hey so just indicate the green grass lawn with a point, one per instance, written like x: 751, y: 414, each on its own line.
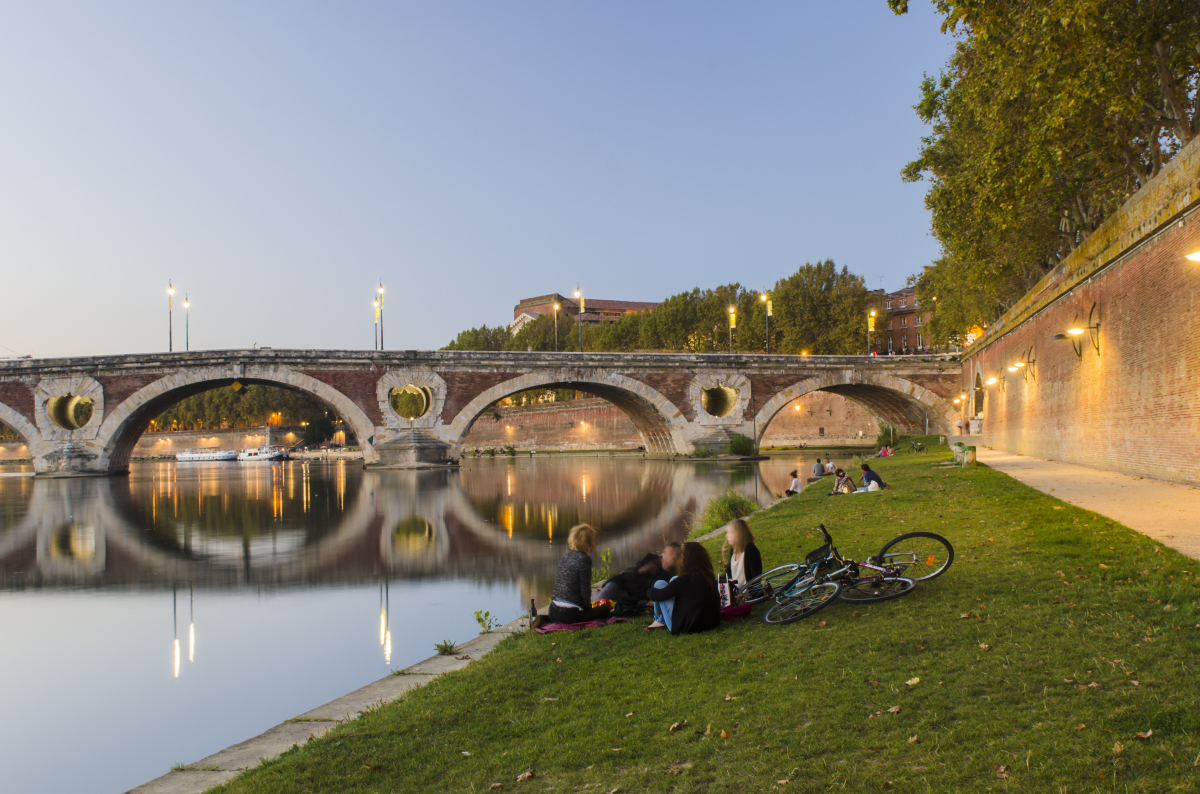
x: 1056, y: 637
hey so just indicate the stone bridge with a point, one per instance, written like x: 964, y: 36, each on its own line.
x: 676, y: 401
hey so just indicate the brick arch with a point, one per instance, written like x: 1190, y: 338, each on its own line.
x: 894, y: 399
x: 126, y: 423
x: 24, y: 428
x: 660, y: 423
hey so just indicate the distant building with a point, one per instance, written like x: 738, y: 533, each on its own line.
x: 595, y: 310
x: 904, y: 330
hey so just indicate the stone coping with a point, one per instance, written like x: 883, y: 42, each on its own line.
x: 224, y: 765
x: 467, y: 358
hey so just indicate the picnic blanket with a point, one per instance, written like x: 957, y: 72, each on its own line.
x: 590, y: 624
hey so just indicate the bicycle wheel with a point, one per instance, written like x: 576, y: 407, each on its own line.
x: 768, y: 584
x: 879, y: 588
x: 919, y: 556
x: 815, y: 598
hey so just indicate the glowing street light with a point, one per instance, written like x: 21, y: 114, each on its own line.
x: 380, y: 313
x: 767, y: 301
x: 187, y: 323
x: 376, y: 326
x: 579, y: 295
x: 732, y: 325
x: 1194, y: 257
x: 556, y: 328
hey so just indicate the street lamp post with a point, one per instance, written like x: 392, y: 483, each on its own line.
x: 556, y: 328
x: 870, y: 328
x: 187, y: 323
x: 381, y: 347
x: 732, y: 325
x: 375, y: 327
x: 768, y: 302
x: 579, y: 295
x: 170, y: 317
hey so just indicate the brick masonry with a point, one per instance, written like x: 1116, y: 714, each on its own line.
x: 1133, y: 405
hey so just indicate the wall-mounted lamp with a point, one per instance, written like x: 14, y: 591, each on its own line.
x: 1077, y: 329
x: 1194, y: 257
x: 957, y: 401
x: 990, y: 381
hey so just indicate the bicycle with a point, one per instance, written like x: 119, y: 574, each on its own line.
x: 826, y: 575
x: 916, y: 446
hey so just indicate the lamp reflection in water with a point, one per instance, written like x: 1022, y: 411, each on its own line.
x: 175, y: 625
x: 385, y: 633
x: 191, y: 624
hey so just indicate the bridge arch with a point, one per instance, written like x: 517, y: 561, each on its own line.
x: 660, y: 423
x: 24, y: 428
x: 126, y: 422
x: 897, y: 400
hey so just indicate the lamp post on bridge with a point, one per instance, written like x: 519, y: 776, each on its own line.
x: 375, y: 327
x: 732, y: 325
x: 870, y: 328
x: 556, y: 328
x: 579, y: 295
x: 170, y: 317
x: 767, y: 300
x: 381, y: 347
x: 187, y: 323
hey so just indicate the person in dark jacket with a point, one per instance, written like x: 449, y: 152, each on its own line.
x: 741, y: 557
x: 689, y: 602
x: 636, y: 579
x: 572, y: 600
x: 870, y: 476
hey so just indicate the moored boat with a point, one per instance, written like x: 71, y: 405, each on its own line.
x: 263, y: 453
x: 205, y: 454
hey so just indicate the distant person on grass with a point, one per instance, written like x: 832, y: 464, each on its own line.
x: 689, y: 603
x: 796, y: 486
x: 818, y: 469
x: 636, y: 579
x: 742, y: 559
x: 830, y: 466
x: 572, y: 600
x: 871, y: 479
x: 844, y: 483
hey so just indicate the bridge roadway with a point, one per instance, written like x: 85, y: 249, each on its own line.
x: 676, y: 401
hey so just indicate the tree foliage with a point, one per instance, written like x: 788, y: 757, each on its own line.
x: 1047, y: 116
x: 818, y: 309
x: 252, y: 407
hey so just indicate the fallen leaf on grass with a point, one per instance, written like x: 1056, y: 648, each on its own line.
x: 1143, y: 734
x: 559, y: 660
x: 495, y: 785
x: 1102, y: 565
x: 708, y: 729
x: 1170, y: 608
x: 894, y: 710
x: 1068, y: 680
x: 863, y: 615
x: 872, y: 683
x: 725, y: 734
x: 1059, y: 573
x: 630, y: 714
x: 464, y: 752
x: 913, y: 681
x: 887, y: 785
x: 525, y: 776
x: 983, y: 646
x: 548, y: 700
x: 858, y: 727
x: 965, y: 615
x: 1080, y: 727
x: 1002, y: 771
x: 821, y: 625
x: 912, y: 739
x: 553, y: 644
x: 1136, y: 683
x: 674, y: 727
x: 1117, y: 747
x: 735, y: 661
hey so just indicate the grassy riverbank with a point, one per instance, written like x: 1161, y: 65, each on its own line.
x: 1055, y: 638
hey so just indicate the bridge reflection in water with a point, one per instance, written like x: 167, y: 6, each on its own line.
x: 231, y: 526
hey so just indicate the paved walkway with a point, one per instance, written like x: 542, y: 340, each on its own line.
x: 1168, y: 513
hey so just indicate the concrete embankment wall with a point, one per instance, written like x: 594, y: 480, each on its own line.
x: 1122, y: 397
x: 816, y: 418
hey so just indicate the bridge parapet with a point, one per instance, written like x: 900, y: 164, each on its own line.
x: 676, y: 401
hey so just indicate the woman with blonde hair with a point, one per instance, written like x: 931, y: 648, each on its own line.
x: 742, y: 559
x: 572, y: 600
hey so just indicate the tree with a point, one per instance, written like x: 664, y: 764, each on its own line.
x: 1047, y: 117
x: 318, y: 429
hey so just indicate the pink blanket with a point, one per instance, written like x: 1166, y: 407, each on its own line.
x: 591, y: 624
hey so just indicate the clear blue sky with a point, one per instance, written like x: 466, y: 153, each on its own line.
x: 276, y: 159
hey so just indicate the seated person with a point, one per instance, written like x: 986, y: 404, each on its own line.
x: 636, y: 579
x: 742, y: 559
x: 844, y: 483
x: 572, y: 600
x: 871, y: 479
x: 818, y: 469
x: 796, y: 486
x: 689, y: 603
x: 830, y: 466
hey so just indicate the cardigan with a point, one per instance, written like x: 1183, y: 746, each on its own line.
x: 752, y: 564
x: 573, y: 582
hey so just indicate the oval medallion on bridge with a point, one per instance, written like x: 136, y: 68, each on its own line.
x: 410, y: 402
x: 718, y: 400
x: 69, y: 411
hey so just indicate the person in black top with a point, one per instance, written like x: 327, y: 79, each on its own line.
x: 689, y: 602
x: 870, y: 476
x: 636, y: 579
x: 572, y: 600
x: 742, y: 560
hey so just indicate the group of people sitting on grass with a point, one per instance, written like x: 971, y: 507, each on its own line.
x: 843, y: 482
x: 680, y: 583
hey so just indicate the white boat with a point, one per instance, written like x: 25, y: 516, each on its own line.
x: 205, y: 453
x: 263, y: 453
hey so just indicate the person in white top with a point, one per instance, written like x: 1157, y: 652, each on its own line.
x: 796, y: 486
x: 830, y: 466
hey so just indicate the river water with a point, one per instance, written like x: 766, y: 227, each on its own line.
x: 156, y: 618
